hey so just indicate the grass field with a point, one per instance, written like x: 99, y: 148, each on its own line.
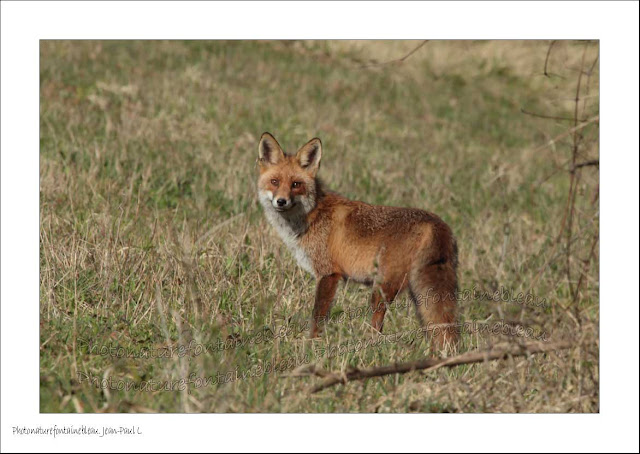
x: 151, y: 236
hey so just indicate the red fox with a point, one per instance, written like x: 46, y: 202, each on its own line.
x: 333, y: 237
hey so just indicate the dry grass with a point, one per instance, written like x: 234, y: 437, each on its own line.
x: 151, y: 235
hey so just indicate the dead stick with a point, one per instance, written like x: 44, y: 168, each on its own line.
x: 498, y: 352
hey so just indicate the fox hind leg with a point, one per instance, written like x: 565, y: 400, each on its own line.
x: 382, y: 295
x: 433, y: 291
x: 378, y: 309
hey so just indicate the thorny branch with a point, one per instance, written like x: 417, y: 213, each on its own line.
x: 566, y: 225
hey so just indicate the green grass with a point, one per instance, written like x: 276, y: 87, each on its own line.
x: 151, y: 235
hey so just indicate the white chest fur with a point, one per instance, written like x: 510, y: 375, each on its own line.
x: 290, y: 226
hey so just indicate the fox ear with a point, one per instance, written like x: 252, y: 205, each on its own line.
x: 309, y: 156
x: 269, y: 150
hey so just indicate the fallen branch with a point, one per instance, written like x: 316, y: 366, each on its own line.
x: 429, y: 364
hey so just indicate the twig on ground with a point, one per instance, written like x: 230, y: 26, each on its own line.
x: 430, y: 364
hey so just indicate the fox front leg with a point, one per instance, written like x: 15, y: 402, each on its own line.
x: 378, y: 309
x: 325, y: 291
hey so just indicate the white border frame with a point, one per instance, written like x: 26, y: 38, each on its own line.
x: 614, y: 23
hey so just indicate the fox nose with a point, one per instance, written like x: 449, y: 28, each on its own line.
x: 281, y: 202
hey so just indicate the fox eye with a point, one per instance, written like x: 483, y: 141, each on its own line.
x: 274, y: 182
x: 296, y: 184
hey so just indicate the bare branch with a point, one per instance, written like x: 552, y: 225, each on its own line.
x: 574, y: 179
x: 546, y: 60
x: 593, y: 162
x: 429, y: 364
x: 397, y: 60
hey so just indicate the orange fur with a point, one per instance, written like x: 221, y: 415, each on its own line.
x: 333, y: 237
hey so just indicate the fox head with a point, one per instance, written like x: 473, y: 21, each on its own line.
x: 287, y: 183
